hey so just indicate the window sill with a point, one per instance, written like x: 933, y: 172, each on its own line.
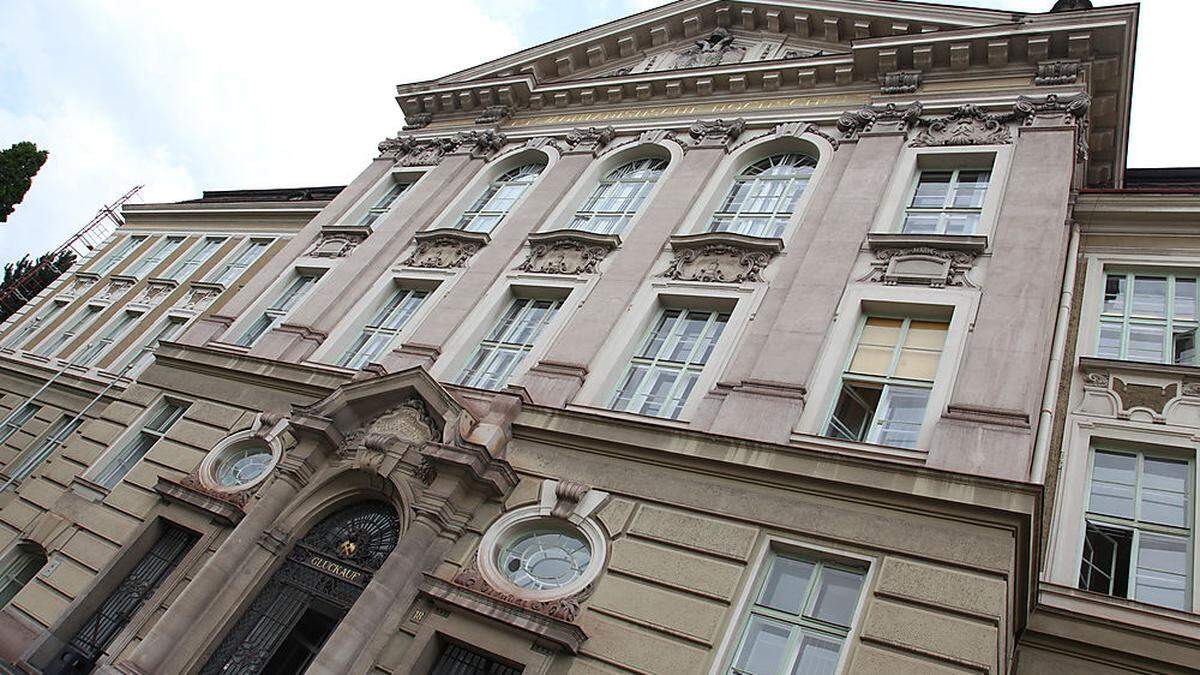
x: 1121, y: 611
x: 1119, y: 365
x: 608, y: 241
x: 768, y: 245
x: 969, y: 243
x: 162, y: 281
x: 358, y: 230
x: 480, y: 238
x: 90, y: 491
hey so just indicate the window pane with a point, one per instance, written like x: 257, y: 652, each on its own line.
x: 837, y: 596
x: 921, y: 223
x: 1164, y: 492
x: 661, y: 383
x: 1184, y: 346
x: 660, y: 333
x: 1146, y: 343
x: 763, y: 647
x: 1162, y: 570
x: 961, y: 223
x: 1185, y: 298
x: 818, y: 656
x: 689, y: 332
x: 1105, y: 564
x: 787, y: 585
x: 932, y: 188
x: 1150, y: 296
x: 972, y: 186
x: 1113, y: 479
x: 1114, y: 294
x: 900, y: 416
x: 629, y: 389
x: 854, y: 412
x: 1109, y: 346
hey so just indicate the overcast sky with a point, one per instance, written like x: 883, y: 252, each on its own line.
x: 225, y: 94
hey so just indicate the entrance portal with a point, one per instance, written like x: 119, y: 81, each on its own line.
x: 301, y: 605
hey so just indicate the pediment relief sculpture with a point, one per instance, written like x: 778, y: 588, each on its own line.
x: 335, y: 244
x: 408, y: 151
x: 717, y: 48
x: 409, y: 421
x: 968, y: 125
x: 890, y: 117
x: 566, y: 252
x: 923, y: 266
x: 720, y: 258
x: 445, y: 249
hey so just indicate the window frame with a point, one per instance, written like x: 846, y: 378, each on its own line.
x: 27, y: 326
x: 1128, y: 319
x: 645, y: 191
x: 11, y: 567
x: 1136, y: 525
x: 127, y: 362
x: 10, y: 426
x: 475, y: 208
x: 158, y: 253
x: 116, y: 455
x: 50, y: 346
x: 743, y: 175
x: 498, y: 345
x: 234, y: 260
x: 755, y: 576
x: 118, y: 254
x: 55, y: 436
x: 347, y: 355
x: 90, y: 353
x: 195, y: 257
x: 287, y: 297
x: 947, y: 202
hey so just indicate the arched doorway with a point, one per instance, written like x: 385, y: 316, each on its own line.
x: 301, y: 605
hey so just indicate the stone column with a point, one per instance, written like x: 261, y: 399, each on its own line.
x: 187, y: 623
x: 767, y: 397
x: 561, y: 372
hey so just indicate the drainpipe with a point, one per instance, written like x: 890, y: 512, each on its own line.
x: 1041, y: 444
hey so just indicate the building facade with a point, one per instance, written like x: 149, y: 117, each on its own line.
x: 729, y: 337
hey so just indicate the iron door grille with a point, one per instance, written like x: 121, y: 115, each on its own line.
x: 458, y: 660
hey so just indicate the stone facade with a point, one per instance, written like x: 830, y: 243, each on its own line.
x: 372, y: 430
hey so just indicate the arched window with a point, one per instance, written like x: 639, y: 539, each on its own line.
x: 763, y: 196
x: 18, y: 567
x: 498, y: 199
x: 618, y: 197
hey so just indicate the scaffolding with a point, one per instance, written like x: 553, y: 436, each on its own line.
x: 81, y: 244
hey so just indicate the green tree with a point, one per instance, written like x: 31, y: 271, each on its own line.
x: 18, y: 165
x: 16, y: 289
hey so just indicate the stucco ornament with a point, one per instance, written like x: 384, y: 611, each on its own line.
x: 590, y: 139
x: 115, y: 289
x: 407, y: 422
x: 900, y: 82
x: 720, y: 263
x: 154, y: 292
x: 716, y: 133
x: 201, y: 295
x: 408, y: 151
x: 80, y: 284
x: 483, y: 144
x: 1146, y: 397
x: 563, y: 609
x: 714, y: 49
x: 1058, y: 110
x: 418, y: 121
x: 969, y: 125
x: 866, y: 118
x: 797, y: 129
x: 936, y: 268
x: 1050, y: 73
x: 565, y: 256
x: 442, y: 253
x: 335, y: 244
x: 493, y: 114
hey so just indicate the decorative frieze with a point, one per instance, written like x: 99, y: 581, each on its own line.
x: 418, y: 121
x: 482, y: 144
x: 720, y: 257
x: 1053, y: 73
x: 890, y: 117
x: 923, y: 266
x: 408, y: 151
x: 494, y: 114
x: 155, y: 291
x: 900, y: 82
x: 445, y: 248
x: 716, y: 133
x: 590, y: 139
x: 200, y: 295
x: 567, y: 252
x: 968, y: 125
x: 337, y: 242
x: 563, y: 609
x: 117, y: 286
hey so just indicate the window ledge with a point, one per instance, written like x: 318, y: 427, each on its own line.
x: 93, y: 492
x: 1121, y: 611
x: 478, y: 238
x: 87, y: 275
x: 609, y: 241
x: 127, y: 278
x: 207, y: 286
x: 357, y: 230
x: 162, y: 281
x: 1119, y: 365
x: 768, y: 245
x: 970, y: 243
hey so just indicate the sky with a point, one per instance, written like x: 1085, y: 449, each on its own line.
x: 227, y: 94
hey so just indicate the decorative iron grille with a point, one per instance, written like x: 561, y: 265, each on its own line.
x: 458, y: 660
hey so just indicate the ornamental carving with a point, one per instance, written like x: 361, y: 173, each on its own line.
x: 80, y: 284
x: 720, y: 263
x: 154, y: 292
x: 442, y: 253
x: 563, y: 609
x: 335, y: 244
x: 566, y: 253
x: 192, y: 482
x: 568, y: 494
x: 590, y: 139
x: 936, y: 268
x: 900, y: 82
x: 1058, y: 110
x: 714, y: 49
x: 1148, y: 396
x: 493, y: 114
x: 1050, y: 73
x: 895, y: 118
x: 115, y: 289
x: 720, y: 47
x: 483, y: 144
x: 969, y: 125
x: 798, y: 129
x: 408, y: 421
x: 408, y: 151
x: 418, y: 121
x: 716, y: 133
x: 200, y: 296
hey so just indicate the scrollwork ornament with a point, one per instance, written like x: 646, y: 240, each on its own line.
x: 968, y: 125
x: 866, y: 118
x: 719, y: 263
x: 716, y: 133
x: 591, y: 139
x: 563, y: 609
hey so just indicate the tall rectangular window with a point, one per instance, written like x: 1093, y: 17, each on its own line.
x: 381, y: 330
x: 798, y: 619
x: 121, y: 252
x: 193, y: 259
x: 667, y: 364
x: 28, y: 328
x: 54, y: 437
x: 230, y: 271
x: 385, y: 201
x: 156, y: 426
x: 94, y: 636
x: 272, y: 315
x: 886, y: 385
x: 1149, y: 317
x: 17, y: 419
x: 1138, y: 528
x: 52, y: 344
x: 503, y: 348
x: 161, y: 251
x: 115, y: 331
x: 947, y: 202
x: 140, y: 357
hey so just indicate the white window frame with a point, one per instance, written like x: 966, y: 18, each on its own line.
x: 16, y: 419
x: 355, y: 357
x: 130, y: 362
x: 234, y: 261
x: 112, y: 332
x: 947, y: 206
x: 55, y: 435
x: 368, y: 202
x: 755, y: 573
x: 747, y: 153
x: 111, y: 460
x: 30, y: 325
x: 825, y: 382
x: 608, y: 366
x: 11, y: 567
x: 897, y: 196
x: 51, y: 345
x: 118, y: 254
x: 166, y: 246
x: 497, y: 346
x: 492, y: 170
x: 644, y: 187
x: 462, y: 344
x: 1168, y: 323
x: 270, y: 314
x: 194, y: 258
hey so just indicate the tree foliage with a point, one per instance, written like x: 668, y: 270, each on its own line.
x: 49, y: 267
x: 18, y: 165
